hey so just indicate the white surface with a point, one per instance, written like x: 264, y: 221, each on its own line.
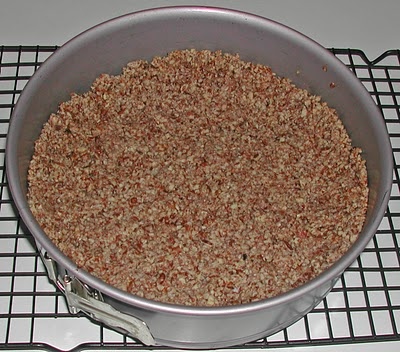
x: 372, y: 26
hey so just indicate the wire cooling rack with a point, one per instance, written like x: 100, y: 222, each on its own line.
x: 364, y: 306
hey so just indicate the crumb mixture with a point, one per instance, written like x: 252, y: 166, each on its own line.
x: 198, y: 179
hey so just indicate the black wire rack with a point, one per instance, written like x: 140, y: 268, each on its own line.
x: 364, y: 306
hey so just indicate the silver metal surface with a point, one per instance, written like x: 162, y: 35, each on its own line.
x: 82, y: 298
x: 106, y: 49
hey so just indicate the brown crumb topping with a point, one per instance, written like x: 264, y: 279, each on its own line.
x: 198, y: 179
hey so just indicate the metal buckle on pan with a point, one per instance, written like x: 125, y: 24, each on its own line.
x: 82, y: 298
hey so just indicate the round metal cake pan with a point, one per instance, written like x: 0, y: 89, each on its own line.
x: 109, y: 46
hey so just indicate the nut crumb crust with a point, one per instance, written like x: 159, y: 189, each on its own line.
x: 198, y: 179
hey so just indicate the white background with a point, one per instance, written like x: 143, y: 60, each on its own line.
x: 372, y: 26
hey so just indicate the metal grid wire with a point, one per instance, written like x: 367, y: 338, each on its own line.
x: 364, y: 306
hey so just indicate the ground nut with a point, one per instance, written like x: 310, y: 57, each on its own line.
x: 198, y: 179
